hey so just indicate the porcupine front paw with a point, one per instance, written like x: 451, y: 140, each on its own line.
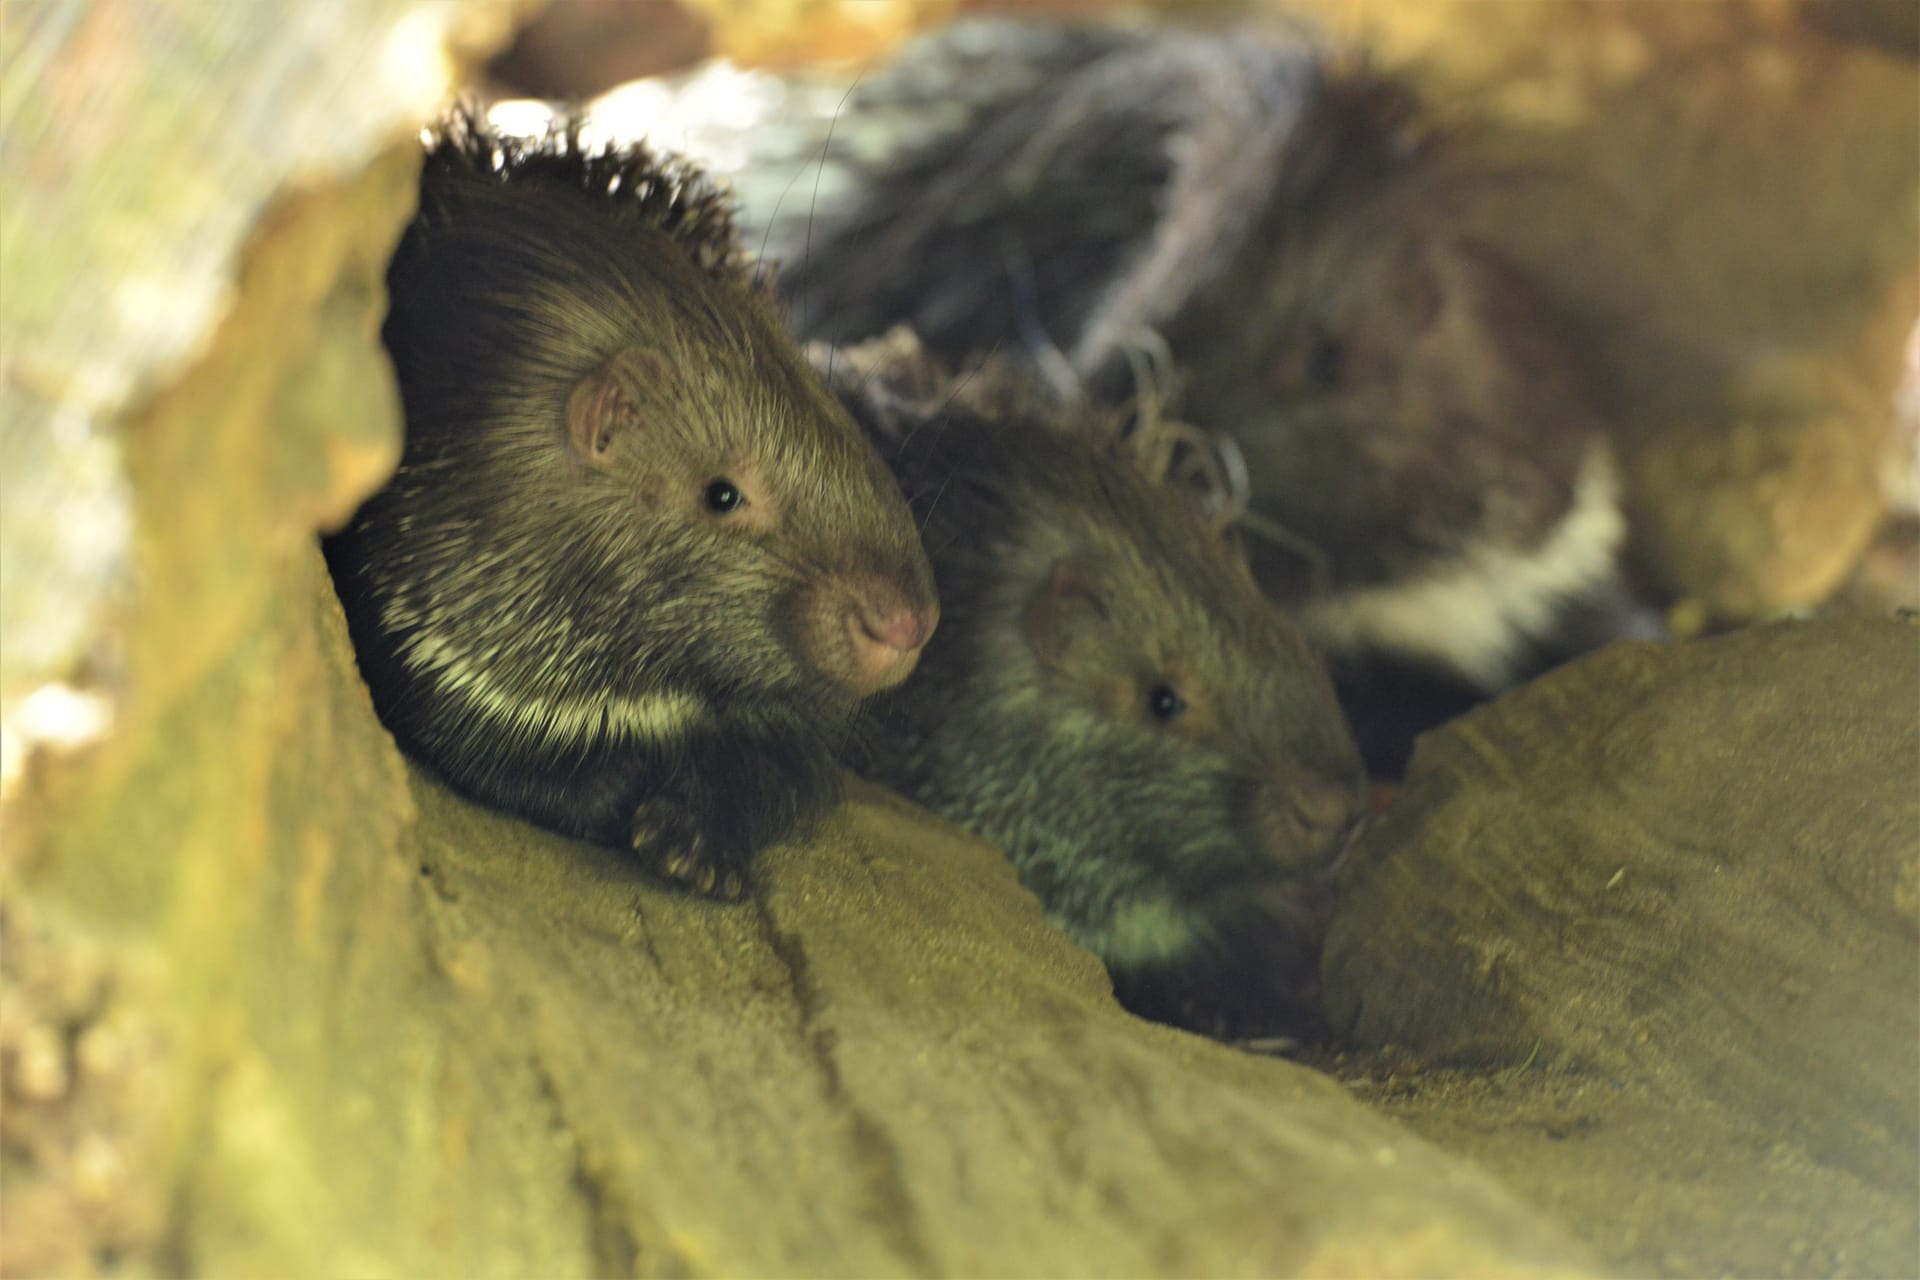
x: 672, y: 846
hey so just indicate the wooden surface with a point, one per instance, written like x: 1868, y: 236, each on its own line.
x: 1662, y: 908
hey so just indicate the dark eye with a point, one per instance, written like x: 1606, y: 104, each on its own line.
x: 723, y: 497
x: 1326, y: 363
x: 1164, y: 703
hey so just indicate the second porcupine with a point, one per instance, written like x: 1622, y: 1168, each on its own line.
x: 1431, y: 492
x: 1110, y: 698
x: 637, y: 567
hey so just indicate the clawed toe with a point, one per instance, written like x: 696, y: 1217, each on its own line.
x: 675, y: 849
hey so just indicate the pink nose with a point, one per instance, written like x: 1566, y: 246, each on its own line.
x: 885, y: 635
x: 898, y: 627
x: 1325, y: 807
x: 1304, y: 817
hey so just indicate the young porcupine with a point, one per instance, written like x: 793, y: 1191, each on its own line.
x: 637, y: 567
x: 1111, y: 699
x: 1430, y: 492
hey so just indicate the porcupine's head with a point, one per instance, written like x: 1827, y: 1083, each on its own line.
x: 626, y: 503
x: 1110, y: 699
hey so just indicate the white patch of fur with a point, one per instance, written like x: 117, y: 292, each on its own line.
x: 1143, y: 931
x: 1477, y: 615
x: 656, y: 716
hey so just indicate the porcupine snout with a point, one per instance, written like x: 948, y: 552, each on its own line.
x: 1303, y: 821
x: 871, y: 630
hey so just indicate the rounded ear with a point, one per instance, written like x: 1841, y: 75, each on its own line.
x: 614, y: 399
x: 1062, y: 611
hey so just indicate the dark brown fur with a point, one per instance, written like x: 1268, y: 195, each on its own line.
x: 554, y: 605
x: 1110, y: 698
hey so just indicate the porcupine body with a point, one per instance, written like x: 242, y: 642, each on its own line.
x: 637, y: 567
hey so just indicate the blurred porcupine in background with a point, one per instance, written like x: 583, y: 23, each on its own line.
x: 1110, y: 698
x: 637, y: 567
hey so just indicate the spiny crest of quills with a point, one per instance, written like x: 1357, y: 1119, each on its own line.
x: 1180, y: 456
x: 1172, y: 454
x: 1169, y: 453
x: 894, y: 369
x: 645, y: 187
